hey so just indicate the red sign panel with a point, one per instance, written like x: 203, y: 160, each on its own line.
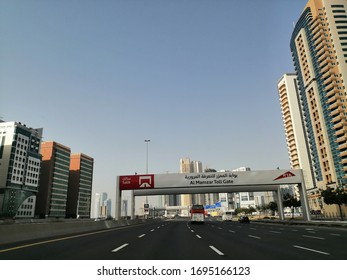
x: 135, y: 182
x: 285, y: 175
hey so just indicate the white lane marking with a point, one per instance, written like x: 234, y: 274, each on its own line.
x: 314, y: 237
x: 198, y: 236
x: 335, y: 234
x: 309, y: 229
x: 220, y: 228
x: 158, y: 227
x: 142, y: 235
x: 253, y: 236
x: 191, y: 230
x: 312, y: 250
x: 232, y: 231
x: 273, y: 231
x: 216, y: 250
x: 152, y: 229
x: 120, y: 247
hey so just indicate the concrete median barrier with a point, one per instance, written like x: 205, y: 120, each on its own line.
x: 17, y: 231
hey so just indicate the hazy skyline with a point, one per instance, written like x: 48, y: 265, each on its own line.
x: 197, y: 78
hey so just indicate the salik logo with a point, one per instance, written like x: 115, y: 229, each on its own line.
x: 285, y: 175
x: 145, y: 181
x: 134, y: 182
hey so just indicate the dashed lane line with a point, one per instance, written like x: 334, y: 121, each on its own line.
x: 312, y: 250
x: 142, y: 235
x: 198, y: 236
x: 216, y: 250
x: 120, y: 247
x: 253, y: 236
x: 314, y: 237
x: 273, y: 231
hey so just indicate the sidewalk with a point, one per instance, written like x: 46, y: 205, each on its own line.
x: 324, y: 223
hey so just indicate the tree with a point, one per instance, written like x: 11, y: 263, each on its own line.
x: 335, y: 196
x: 291, y: 201
x: 210, y: 170
x: 272, y: 206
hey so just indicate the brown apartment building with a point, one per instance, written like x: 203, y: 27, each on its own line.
x: 80, y: 186
x: 54, y: 179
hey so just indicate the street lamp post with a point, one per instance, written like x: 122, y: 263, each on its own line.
x: 147, y: 141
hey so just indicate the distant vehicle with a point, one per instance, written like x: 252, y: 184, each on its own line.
x: 197, y: 214
x: 244, y: 219
x: 227, y: 216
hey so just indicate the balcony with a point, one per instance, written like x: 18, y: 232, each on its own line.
x: 343, y: 146
x: 330, y: 79
x: 337, y: 111
x: 332, y: 99
x: 342, y: 139
x: 342, y: 123
x: 332, y: 91
x: 335, y: 105
x: 326, y: 70
x: 322, y: 47
x: 340, y: 132
x: 339, y: 116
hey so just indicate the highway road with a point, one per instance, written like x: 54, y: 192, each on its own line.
x: 180, y: 240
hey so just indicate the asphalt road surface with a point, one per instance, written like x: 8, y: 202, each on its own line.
x: 181, y: 240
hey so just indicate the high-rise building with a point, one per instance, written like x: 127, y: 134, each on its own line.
x: 20, y: 164
x: 54, y: 180
x: 80, y: 186
x: 298, y: 148
x: 97, y: 205
x: 190, y: 166
x: 103, y: 206
x: 319, y: 50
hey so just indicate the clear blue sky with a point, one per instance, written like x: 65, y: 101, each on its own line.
x: 197, y: 78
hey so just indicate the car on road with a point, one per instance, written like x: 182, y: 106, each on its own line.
x: 227, y: 216
x: 243, y: 219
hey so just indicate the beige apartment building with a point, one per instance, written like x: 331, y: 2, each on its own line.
x: 319, y: 51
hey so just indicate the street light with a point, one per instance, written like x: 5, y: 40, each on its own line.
x: 147, y: 141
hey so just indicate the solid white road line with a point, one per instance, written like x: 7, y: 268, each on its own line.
x: 216, y: 250
x: 314, y: 237
x: 253, y: 236
x: 120, y: 247
x: 142, y: 235
x: 312, y: 250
